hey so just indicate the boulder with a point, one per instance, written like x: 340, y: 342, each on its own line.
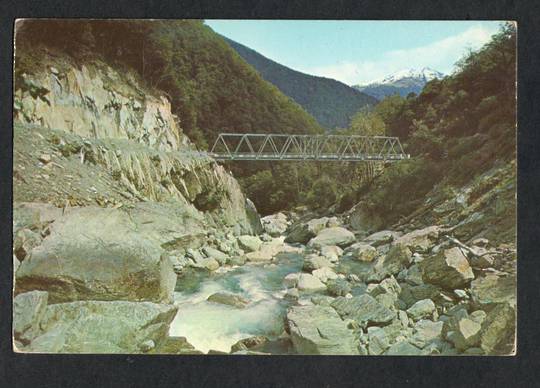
x: 499, y: 330
x: 388, y: 286
x: 464, y: 333
x: 102, y: 327
x: 362, y: 252
x: 314, y: 261
x: 490, y: 290
x: 249, y: 343
x: 229, y: 299
x: 403, y: 348
x: 28, y: 311
x: 275, y: 224
x: 481, y: 259
x: 303, y: 232
x: 381, y: 238
x: 426, y: 331
x: 309, y: 283
x: 290, y: 280
x: 332, y: 236
x: 324, y: 274
x: 331, y: 252
x: 338, y: 287
x: 319, y: 330
x: 364, y: 309
x: 449, y: 269
x: 421, y: 240
x: 378, y: 341
x: 421, y: 309
x: 397, y: 258
x: 174, y: 345
x: 215, y: 254
x: 98, y: 254
x: 249, y: 243
x: 268, y: 250
x: 25, y: 240
x: 292, y: 294
x: 207, y: 263
x: 412, y: 294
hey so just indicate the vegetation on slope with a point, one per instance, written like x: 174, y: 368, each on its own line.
x: 331, y: 102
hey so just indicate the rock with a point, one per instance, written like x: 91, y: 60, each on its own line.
x: 275, y: 224
x: 174, y: 345
x: 98, y: 254
x: 364, y: 309
x: 28, y: 311
x: 292, y: 294
x: 413, y: 275
x: 397, y: 258
x: 331, y: 252
x: 249, y: 243
x: 448, y: 269
x: 403, y: 348
x: 332, y: 236
x: 420, y: 240
x: 229, y: 299
x: 338, y: 287
x: 490, y: 290
x: 303, y: 232
x: 403, y: 318
x: 267, y: 251
x: 480, y: 242
x: 381, y: 238
x: 249, y: 343
x: 45, y: 158
x: 319, y: 330
x: 388, y: 287
x: 464, y: 334
x: 461, y: 294
x: 147, y: 345
x: 213, y: 253
x: 290, y: 280
x: 102, y: 327
x: 324, y: 274
x: 208, y: 263
x: 313, y: 262
x: 362, y: 252
x: 378, y: 341
x: 25, y: 240
x: 323, y: 300
x: 421, y: 309
x: 425, y: 332
x: 308, y: 282
x: 412, y: 294
x: 236, y: 260
x: 499, y: 329
x: 479, y: 316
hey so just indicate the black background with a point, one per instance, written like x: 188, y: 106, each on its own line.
x: 21, y: 370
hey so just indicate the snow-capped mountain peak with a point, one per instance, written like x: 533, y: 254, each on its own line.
x: 425, y: 74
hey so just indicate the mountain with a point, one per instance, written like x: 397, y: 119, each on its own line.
x: 402, y: 82
x: 331, y: 102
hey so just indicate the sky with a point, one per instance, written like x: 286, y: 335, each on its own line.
x: 357, y: 52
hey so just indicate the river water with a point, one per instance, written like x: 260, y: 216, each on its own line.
x: 208, y: 325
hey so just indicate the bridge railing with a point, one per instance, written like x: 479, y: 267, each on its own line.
x: 252, y: 146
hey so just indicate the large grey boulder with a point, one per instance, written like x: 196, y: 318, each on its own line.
x: 319, y: 330
x: 490, y: 290
x: 102, y: 327
x: 309, y: 283
x: 215, y: 254
x: 338, y: 287
x: 381, y: 238
x: 421, y: 309
x: 364, y: 309
x: 464, y: 333
x: 249, y: 243
x: 426, y: 331
x: 275, y: 225
x: 98, y: 254
x: 498, y: 330
x: 229, y: 299
x: 361, y: 251
x: 332, y: 236
x: 449, y: 269
x: 397, y: 258
x: 303, y: 232
x: 28, y: 311
x: 421, y: 240
x: 314, y: 261
x: 403, y: 348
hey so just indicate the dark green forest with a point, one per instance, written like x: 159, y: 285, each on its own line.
x: 331, y: 102
x: 454, y: 129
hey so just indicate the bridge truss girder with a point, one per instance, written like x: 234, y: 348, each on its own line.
x: 254, y: 146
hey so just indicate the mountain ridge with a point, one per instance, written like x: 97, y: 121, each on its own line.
x: 332, y: 103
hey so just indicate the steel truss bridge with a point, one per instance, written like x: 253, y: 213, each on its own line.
x: 254, y: 146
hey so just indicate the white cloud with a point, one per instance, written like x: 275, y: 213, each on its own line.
x: 436, y: 55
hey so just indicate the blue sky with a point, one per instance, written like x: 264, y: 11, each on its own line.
x: 359, y: 51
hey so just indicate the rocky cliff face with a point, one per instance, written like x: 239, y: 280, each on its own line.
x: 108, y: 195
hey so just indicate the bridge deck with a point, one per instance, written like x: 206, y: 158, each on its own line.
x: 273, y: 147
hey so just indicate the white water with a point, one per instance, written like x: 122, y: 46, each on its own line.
x: 208, y: 325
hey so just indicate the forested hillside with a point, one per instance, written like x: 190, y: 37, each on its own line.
x: 331, y: 102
